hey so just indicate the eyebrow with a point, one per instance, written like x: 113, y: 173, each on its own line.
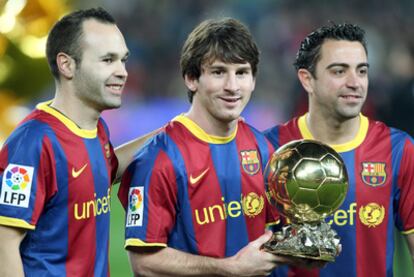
x: 219, y: 66
x: 347, y: 65
x: 113, y: 54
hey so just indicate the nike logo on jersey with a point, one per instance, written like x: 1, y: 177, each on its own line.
x: 76, y: 173
x: 194, y: 180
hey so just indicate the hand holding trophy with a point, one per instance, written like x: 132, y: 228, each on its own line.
x: 306, y: 181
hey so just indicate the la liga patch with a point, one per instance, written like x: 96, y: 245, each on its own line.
x: 16, y: 185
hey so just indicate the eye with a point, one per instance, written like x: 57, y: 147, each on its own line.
x: 217, y: 72
x: 338, y: 71
x: 107, y: 60
x: 363, y: 71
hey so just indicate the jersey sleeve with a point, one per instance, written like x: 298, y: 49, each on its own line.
x: 149, y: 195
x: 25, y: 178
x: 406, y: 184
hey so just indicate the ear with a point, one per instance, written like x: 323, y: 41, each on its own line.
x: 191, y: 83
x: 66, y: 65
x: 306, y: 79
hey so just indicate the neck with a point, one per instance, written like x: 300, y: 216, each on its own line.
x: 211, y: 125
x: 75, y: 109
x: 331, y: 130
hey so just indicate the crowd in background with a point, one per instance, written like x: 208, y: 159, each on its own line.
x: 155, y: 30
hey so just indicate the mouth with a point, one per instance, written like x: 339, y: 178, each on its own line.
x: 351, y: 96
x: 231, y: 99
x: 115, y: 88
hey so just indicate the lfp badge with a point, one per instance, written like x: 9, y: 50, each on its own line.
x: 135, y: 206
x: 16, y: 185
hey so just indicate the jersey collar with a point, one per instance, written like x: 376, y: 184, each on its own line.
x: 66, y: 121
x: 344, y: 147
x: 200, y: 134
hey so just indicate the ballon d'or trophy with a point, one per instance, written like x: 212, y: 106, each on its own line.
x: 306, y: 181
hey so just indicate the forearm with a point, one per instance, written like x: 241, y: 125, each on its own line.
x: 171, y: 262
x: 11, y: 262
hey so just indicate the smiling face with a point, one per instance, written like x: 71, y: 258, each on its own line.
x: 101, y: 75
x: 221, y: 92
x: 339, y: 87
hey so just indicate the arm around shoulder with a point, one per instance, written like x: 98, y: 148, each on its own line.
x: 126, y: 151
x: 10, y: 239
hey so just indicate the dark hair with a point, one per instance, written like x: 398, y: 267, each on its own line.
x: 225, y: 39
x: 309, y: 52
x: 66, y: 34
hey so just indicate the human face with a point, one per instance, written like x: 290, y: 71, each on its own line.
x: 339, y: 88
x: 101, y: 75
x: 222, y: 91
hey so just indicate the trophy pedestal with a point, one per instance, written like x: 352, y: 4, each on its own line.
x: 310, y: 241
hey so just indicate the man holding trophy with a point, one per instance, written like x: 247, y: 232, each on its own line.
x: 332, y: 67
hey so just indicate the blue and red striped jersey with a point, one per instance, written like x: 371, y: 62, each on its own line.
x: 380, y: 200
x: 197, y: 193
x: 55, y: 183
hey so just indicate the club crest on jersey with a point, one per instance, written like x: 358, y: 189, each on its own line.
x: 250, y: 161
x: 373, y: 174
x: 16, y: 185
x: 135, y: 207
x: 372, y: 214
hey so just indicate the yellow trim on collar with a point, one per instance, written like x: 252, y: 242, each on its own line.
x: 15, y: 222
x: 344, y: 147
x: 200, y: 134
x: 67, y: 122
x: 141, y: 243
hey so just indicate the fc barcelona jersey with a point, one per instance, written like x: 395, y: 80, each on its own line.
x: 197, y: 193
x: 380, y: 199
x: 55, y: 183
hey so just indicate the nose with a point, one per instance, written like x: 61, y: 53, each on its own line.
x: 121, y: 71
x: 353, y: 80
x: 232, y: 83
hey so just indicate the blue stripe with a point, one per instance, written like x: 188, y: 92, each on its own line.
x: 394, y: 218
x: 346, y: 262
x: 182, y: 236
x: 141, y: 171
x: 49, y: 236
x: 229, y: 177
x: 272, y: 134
x: 101, y: 181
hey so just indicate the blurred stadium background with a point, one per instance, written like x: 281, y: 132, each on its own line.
x: 155, y: 31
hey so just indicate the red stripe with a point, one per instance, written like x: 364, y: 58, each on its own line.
x: 46, y: 179
x: 406, y: 184
x: 203, y: 194
x: 289, y: 131
x: 162, y: 199
x: 255, y: 224
x: 376, y: 148
x: 81, y: 232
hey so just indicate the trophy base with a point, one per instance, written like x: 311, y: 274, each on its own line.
x: 308, y: 241
x: 326, y: 258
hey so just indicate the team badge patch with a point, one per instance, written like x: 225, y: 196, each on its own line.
x: 250, y: 161
x: 252, y: 204
x: 373, y: 174
x: 135, y: 207
x: 16, y: 185
x: 372, y: 214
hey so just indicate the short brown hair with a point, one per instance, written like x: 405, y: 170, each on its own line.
x: 227, y: 40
